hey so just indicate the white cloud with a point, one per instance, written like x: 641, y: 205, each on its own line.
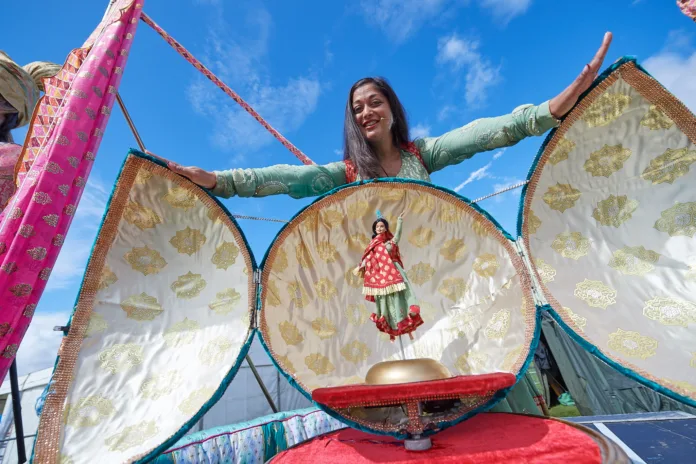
x: 241, y: 62
x: 445, y: 112
x: 400, y: 19
x: 505, y: 10
x: 481, y: 75
x: 675, y: 68
x: 481, y: 173
x: 338, y: 152
x: 511, y: 195
x: 40, y: 344
x: 420, y: 131
x: 73, y: 256
x: 498, y: 154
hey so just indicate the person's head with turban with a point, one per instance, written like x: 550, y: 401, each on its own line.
x: 20, y: 88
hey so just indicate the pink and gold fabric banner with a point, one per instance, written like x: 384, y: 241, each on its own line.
x: 52, y: 171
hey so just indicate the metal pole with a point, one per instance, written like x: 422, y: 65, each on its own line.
x: 260, y: 382
x: 17, y: 411
x: 403, y: 353
x: 130, y: 122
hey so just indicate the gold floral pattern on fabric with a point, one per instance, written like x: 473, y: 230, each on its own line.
x: 546, y: 272
x: 595, y: 293
x: 145, y: 260
x: 97, y: 324
x: 614, y: 210
x: 88, y: 411
x: 561, y: 152
x: 179, y: 197
x: 140, y: 216
x: 290, y: 333
x: 511, y: 358
x: 332, y: 218
x: 607, y: 160
x: 421, y: 237
x: 634, y: 260
x: 453, y: 249
x: 131, y: 436
x: 188, y: 286
x: 121, y: 357
x: 632, y: 344
x: 656, y: 119
x: 272, y: 294
x: 423, y: 204
x: 459, y: 320
x: 353, y: 280
x: 471, y: 363
x: 225, y: 255
x: 181, y: 333
x: 669, y: 166
x: 141, y: 307
x: 679, y: 220
x: 606, y: 109
x: 325, y: 289
x: 533, y: 222
x: 142, y: 177
x: 449, y: 213
x: 358, y: 242
x: 670, y: 311
x: 304, y: 258
x: 319, y: 364
x: 499, y: 325
x: 355, y: 351
x: 561, y: 197
x: 479, y: 228
x: 188, y: 241
x: 453, y: 288
x: 286, y: 364
x: 280, y: 263
x: 356, y: 314
x: 358, y: 210
x: 420, y: 273
x: 107, y: 278
x: 486, y: 265
x: 161, y: 385
x: 571, y: 245
x: 225, y: 301
x: 692, y: 363
x: 195, y: 401
x: 215, y: 351
x: 579, y: 321
x: 327, y: 252
x: 323, y: 328
x: 389, y: 194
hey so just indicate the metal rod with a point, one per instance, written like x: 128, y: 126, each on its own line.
x: 17, y: 411
x: 403, y: 353
x: 4, y: 440
x: 130, y: 122
x: 260, y: 382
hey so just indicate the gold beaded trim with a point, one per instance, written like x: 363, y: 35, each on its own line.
x: 684, y: 119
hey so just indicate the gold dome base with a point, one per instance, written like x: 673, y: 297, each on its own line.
x: 406, y: 371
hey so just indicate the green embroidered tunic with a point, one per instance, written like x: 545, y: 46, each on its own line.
x: 438, y: 152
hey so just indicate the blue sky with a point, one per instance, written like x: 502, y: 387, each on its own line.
x: 450, y: 61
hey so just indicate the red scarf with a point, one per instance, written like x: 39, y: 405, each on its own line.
x: 381, y: 275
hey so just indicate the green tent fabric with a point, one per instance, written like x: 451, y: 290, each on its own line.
x: 596, y: 387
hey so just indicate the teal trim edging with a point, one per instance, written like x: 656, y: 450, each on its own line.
x: 623, y: 60
x: 244, y: 350
x: 592, y: 349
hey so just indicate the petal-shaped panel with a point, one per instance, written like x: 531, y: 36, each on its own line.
x: 609, y: 219
x: 470, y: 283
x: 161, y: 323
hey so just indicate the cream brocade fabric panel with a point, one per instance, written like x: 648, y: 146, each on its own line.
x: 465, y: 274
x: 170, y: 317
x: 612, y: 228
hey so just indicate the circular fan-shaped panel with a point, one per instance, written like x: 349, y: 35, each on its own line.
x: 479, y: 316
x: 610, y: 224
x: 161, y: 324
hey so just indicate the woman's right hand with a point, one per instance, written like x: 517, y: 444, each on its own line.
x: 195, y: 174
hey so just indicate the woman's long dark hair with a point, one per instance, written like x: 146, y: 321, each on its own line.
x: 355, y: 147
x: 374, y: 226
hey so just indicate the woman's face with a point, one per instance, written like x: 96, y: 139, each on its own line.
x: 379, y: 228
x: 372, y: 113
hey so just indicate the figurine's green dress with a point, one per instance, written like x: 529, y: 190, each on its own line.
x: 438, y: 152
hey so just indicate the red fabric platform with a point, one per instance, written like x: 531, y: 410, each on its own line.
x: 486, y: 438
x: 378, y: 395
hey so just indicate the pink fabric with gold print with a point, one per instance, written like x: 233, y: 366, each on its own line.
x: 9, y: 154
x: 62, y: 142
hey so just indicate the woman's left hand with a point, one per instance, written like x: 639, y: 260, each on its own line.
x: 561, y: 104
